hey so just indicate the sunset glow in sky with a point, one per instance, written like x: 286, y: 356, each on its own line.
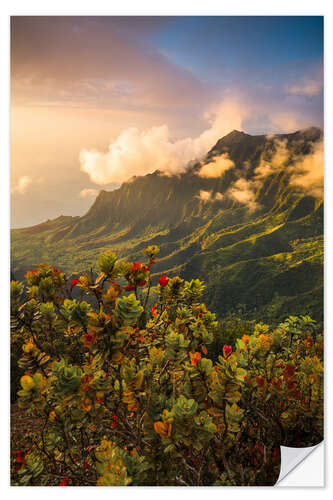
x: 96, y: 100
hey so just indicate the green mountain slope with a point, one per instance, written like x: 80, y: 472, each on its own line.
x: 268, y: 259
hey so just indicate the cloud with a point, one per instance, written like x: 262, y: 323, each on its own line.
x: 88, y: 192
x: 244, y: 191
x: 217, y: 167
x: 206, y: 196
x: 279, y: 157
x: 308, y: 172
x: 97, y: 62
x: 136, y: 152
x: 308, y: 88
x: 22, y: 185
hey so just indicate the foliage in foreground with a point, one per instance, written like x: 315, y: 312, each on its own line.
x: 130, y: 396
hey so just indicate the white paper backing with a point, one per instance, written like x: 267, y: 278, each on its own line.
x: 302, y: 467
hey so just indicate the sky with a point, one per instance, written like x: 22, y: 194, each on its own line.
x: 97, y: 100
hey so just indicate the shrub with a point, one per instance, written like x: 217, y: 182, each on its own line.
x: 130, y: 396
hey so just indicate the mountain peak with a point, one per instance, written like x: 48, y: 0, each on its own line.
x: 236, y: 133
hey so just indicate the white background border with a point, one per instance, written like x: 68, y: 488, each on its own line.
x: 147, y: 7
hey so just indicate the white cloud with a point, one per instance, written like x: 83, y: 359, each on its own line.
x: 208, y: 196
x: 216, y: 167
x: 244, y: 191
x: 308, y: 172
x: 136, y: 152
x: 22, y: 185
x: 280, y: 156
x: 308, y: 88
x: 88, y: 193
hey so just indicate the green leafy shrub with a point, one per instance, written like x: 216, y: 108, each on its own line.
x: 127, y: 394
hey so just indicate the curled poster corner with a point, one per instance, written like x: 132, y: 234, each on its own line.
x: 296, y: 469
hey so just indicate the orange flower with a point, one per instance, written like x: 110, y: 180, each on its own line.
x: 195, y: 358
x: 154, y: 310
x: 52, y: 415
x: 246, y: 339
x: 163, y: 429
x: 86, y: 404
x: 85, y: 383
x: 264, y: 341
x: 132, y: 407
x: 204, y: 349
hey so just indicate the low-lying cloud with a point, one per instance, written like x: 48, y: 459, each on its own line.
x: 88, y: 193
x: 216, y: 167
x: 244, y: 191
x: 277, y: 160
x: 136, y: 152
x: 308, y: 172
x: 206, y: 196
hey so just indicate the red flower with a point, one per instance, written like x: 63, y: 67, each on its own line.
x: 310, y: 342
x: 89, y: 339
x: 289, y: 371
x: 128, y: 288
x: 153, y: 335
x: 64, y: 482
x: 227, y: 350
x: 75, y: 282
x: 141, y: 338
x: 163, y: 281
x: 136, y: 266
x: 204, y: 349
x: 115, y: 421
x: 19, y: 456
x: 260, y: 381
x: 154, y: 310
